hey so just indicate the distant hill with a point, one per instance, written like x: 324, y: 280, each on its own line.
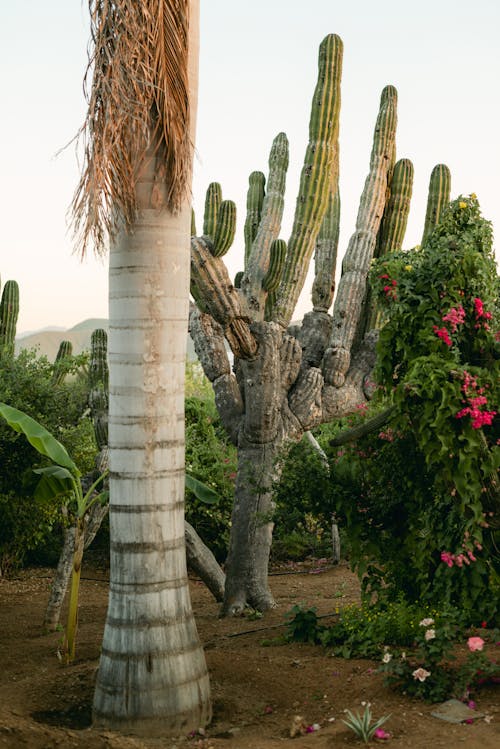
x: 47, y: 341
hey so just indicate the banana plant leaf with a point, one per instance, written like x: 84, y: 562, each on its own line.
x: 201, y: 491
x: 38, y: 436
x: 55, y: 482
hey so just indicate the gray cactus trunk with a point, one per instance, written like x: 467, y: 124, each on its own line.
x: 251, y: 530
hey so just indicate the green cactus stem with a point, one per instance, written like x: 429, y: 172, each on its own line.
x: 325, y: 255
x: 277, y: 254
x: 9, y: 312
x: 258, y: 260
x: 316, y: 177
x: 99, y: 385
x: 397, y: 209
x: 438, y: 197
x: 60, y: 370
x: 392, y: 230
x: 210, y: 279
x: 193, y: 223
x: 351, y: 292
x: 255, y: 198
x: 213, y: 199
x: 237, y: 279
x: 225, y: 228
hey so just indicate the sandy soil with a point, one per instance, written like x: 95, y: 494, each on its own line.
x: 256, y: 690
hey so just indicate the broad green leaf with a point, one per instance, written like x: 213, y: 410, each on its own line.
x: 201, y: 491
x: 55, y: 482
x: 38, y: 436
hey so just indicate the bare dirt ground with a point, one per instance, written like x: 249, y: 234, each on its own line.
x: 256, y: 690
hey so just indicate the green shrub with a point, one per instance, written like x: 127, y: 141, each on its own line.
x: 31, y: 530
x: 210, y: 458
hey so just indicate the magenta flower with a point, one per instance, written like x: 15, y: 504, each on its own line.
x: 443, y: 334
x: 455, y: 317
x: 475, y: 643
x: 381, y: 734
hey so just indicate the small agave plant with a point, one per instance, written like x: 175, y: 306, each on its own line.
x: 362, y: 724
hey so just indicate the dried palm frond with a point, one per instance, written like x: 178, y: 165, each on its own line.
x: 138, y: 100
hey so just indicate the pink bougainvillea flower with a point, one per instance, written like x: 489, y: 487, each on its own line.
x: 447, y: 558
x: 381, y: 734
x: 443, y: 334
x: 475, y: 643
x: 456, y: 316
x: 471, y: 705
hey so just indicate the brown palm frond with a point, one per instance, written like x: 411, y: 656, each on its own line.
x: 138, y: 99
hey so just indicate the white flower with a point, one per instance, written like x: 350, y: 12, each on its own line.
x: 430, y: 634
x: 403, y: 656
x: 387, y: 657
x: 426, y: 622
x: 421, y: 674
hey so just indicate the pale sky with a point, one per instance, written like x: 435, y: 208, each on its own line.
x: 258, y: 63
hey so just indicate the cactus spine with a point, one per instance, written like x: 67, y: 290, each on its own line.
x: 438, y: 197
x: 9, y: 312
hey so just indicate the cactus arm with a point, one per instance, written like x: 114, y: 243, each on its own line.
x: 225, y: 228
x: 395, y: 219
x: 392, y: 229
x: 258, y: 260
x: 59, y: 372
x: 361, y: 430
x: 213, y: 199
x: 99, y: 385
x: 9, y: 312
x: 316, y: 178
x: 349, y: 301
x: 325, y: 256
x: 210, y: 279
x: 255, y: 198
x: 208, y: 339
x: 438, y: 197
x: 277, y: 256
x: 305, y: 398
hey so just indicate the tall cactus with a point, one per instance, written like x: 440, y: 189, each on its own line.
x: 99, y: 385
x: 60, y: 370
x: 287, y: 379
x: 438, y: 197
x: 9, y: 312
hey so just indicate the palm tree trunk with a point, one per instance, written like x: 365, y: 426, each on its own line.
x: 152, y: 677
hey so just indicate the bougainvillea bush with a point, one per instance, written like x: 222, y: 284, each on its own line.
x: 438, y: 363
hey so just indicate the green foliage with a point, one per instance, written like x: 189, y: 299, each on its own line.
x: 30, y: 527
x: 365, y: 631
x: 419, y: 499
x: 428, y: 670
x: 210, y: 458
x: 302, y: 625
x: 362, y: 725
x: 304, y: 500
